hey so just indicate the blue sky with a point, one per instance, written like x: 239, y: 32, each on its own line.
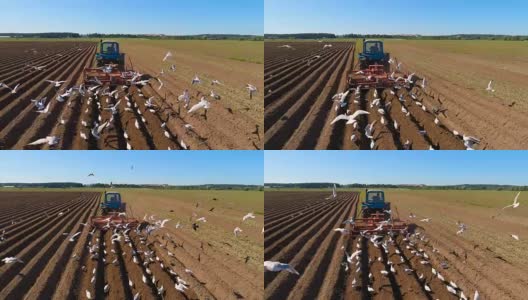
x: 156, y: 167
x: 133, y: 16
x: 397, y: 16
x: 397, y: 167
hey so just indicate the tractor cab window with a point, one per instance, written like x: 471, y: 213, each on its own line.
x: 374, y: 197
x: 112, y: 198
x: 109, y: 48
x: 373, y: 47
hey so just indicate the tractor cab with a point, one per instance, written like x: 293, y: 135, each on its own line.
x: 374, y: 202
x: 109, y: 53
x: 109, y: 47
x: 373, y: 54
x: 373, y: 48
x: 112, y: 203
x: 112, y: 198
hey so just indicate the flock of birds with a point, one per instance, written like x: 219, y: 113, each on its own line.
x: 470, y: 142
x: 462, y: 227
x: 411, y: 240
x: 341, y: 100
x: 140, y: 252
x: 204, y: 103
x: 99, y: 92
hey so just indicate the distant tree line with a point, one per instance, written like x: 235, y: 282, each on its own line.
x: 301, y: 36
x: 42, y: 185
x: 179, y: 37
x: 183, y: 187
x: 320, y: 185
x: 314, y: 36
x: 52, y: 35
x: 151, y: 186
x: 57, y: 35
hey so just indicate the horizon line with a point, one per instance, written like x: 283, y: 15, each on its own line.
x: 414, y: 184
x: 410, y: 34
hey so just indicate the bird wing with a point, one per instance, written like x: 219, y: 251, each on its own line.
x: 340, y: 117
x: 359, y: 113
x: 516, y: 197
x: 101, y: 127
x: 39, y: 142
x: 45, y: 110
x: 196, y: 107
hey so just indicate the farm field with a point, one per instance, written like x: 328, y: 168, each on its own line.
x: 299, y: 231
x: 211, y: 260
x: 232, y: 122
x: 458, y: 73
x: 299, y: 111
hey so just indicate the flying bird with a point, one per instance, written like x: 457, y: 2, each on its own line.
x: 248, y: 216
x: 350, y: 118
x: 50, y: 140
x: 56, y: 83
x: 489, y: 88
x: 515, y: 203
x: 237, y: 231
x: 13, y: 90
x: 10, y: 260
x: 202, y: 104
x: 251, y: 89
x: 169, y: 54
x: 195, y: 80
x: 275, y: 266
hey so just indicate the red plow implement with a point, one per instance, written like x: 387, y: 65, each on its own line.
x: 107, y: 75
x: 376, y: 223
x: 113, y: 220
x: 375, y: 76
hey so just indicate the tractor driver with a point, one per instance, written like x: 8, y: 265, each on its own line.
x: 112, y: 48
x: 374, y: 48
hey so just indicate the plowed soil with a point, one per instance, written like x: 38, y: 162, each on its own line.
x: 229, y: 127
x: 38, y: 227
x: 458, y: 73
x: 299, y: 109
x: 299, y: 231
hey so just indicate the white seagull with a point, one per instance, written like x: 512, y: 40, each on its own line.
x: 169, y: 54
x: 489, y: 88
x: 56, y: 83
x: 202, y: 104
x: 275, y: 266
x: 50, y: 140
x: 515, y: 202
x: 248, y: 216
x: 350, y: 118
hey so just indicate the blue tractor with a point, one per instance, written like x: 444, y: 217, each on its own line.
x: 373, y: 54
x: 374, y: 203
x: 112, y: 203
x: 109, y: 54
